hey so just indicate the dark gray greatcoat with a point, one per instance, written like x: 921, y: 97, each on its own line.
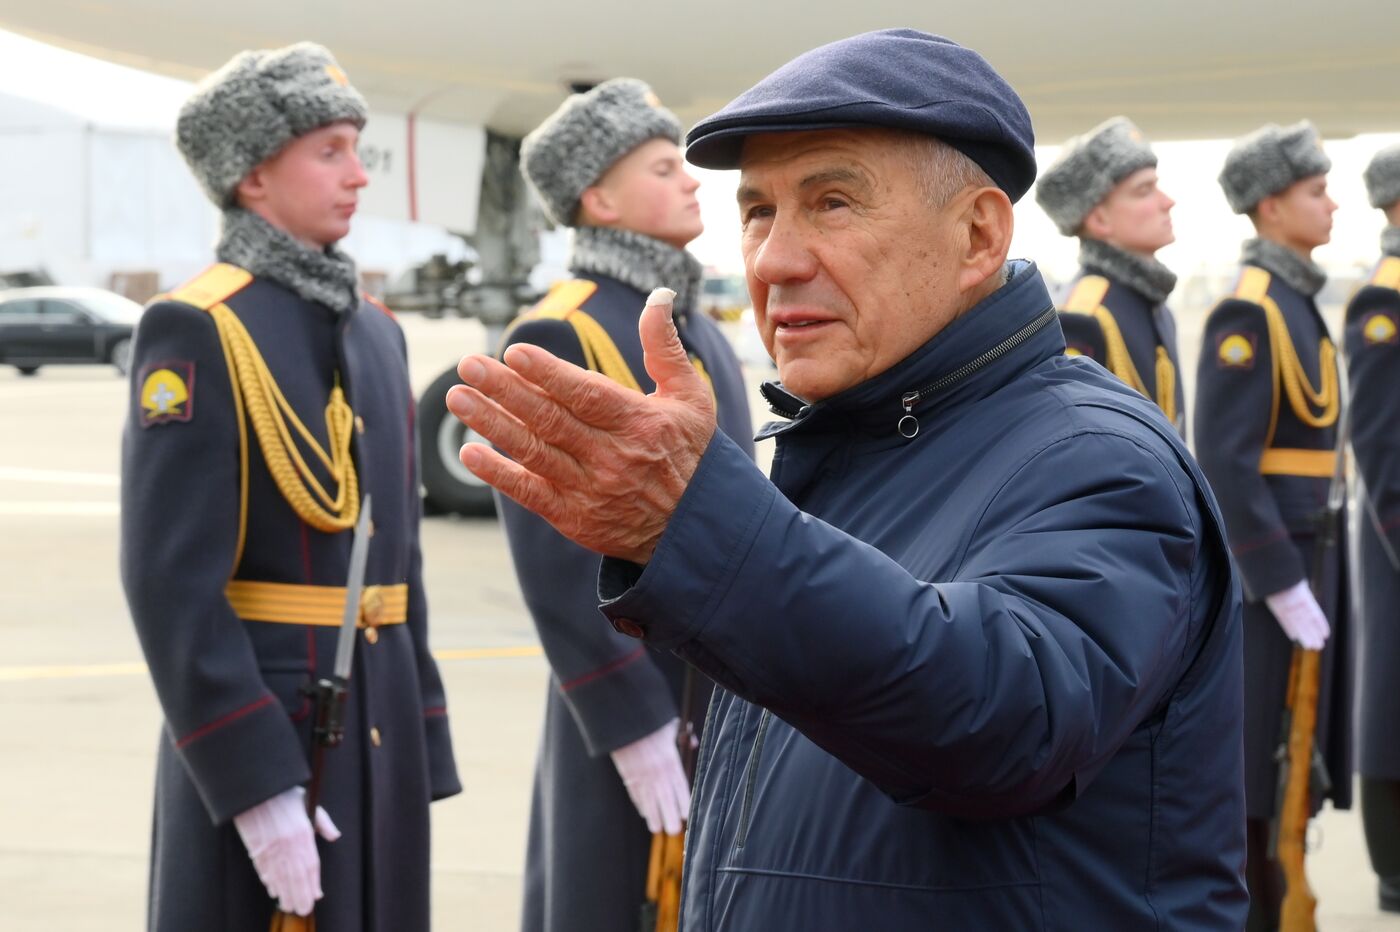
x: 1144, y: 326
x: 1373, y: 357
x: 587, y: 860
x: 1271, y: 521
x: 237, y: 728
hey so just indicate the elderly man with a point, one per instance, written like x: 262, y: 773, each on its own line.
x: 1103, y: 189
x: 1373, y: 356
x: 978, y: 637
x: 1266, y: 421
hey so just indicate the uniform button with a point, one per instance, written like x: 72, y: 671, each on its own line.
x: 374, y: 737
x: 359, y: 424
x: 372, y: 635
x: 628, y: 627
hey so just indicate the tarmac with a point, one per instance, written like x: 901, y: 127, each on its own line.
x: 82, y: 721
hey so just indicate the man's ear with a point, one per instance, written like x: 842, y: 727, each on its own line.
x: 1096, y: 225
x: 989, y: 222
x: 597, y: 206
x: 252, y: 189
x: 1266, y: 211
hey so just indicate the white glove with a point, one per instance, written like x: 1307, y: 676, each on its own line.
x: 651, y: 770
x: 1299, y: 615
x: 280, y: 841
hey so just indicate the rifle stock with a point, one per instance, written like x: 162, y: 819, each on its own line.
x: 1294, y: 804
x: 662, y: 907
x: 1303, y: 774
x: 329, y: 695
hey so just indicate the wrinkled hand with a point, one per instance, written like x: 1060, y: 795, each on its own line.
x: 1299, y: 615
x: 280, y: 840
x: 651, y: 770
x: 603, y: 464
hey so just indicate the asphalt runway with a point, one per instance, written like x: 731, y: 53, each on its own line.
x: 81, y: 721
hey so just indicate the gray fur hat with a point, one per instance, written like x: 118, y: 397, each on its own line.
x: 1383, y: 177
x: 581, y: 140
x: 256, y: 104
x: 1089, y: 167
x: 1270, y: 159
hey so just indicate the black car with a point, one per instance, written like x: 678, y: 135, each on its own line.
x: 53, y: 326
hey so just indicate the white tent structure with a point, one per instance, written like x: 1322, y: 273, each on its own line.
x: 84, y: 200
x: 104, y: 199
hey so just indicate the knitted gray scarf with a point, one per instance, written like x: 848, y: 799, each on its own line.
x: 639, y: 261
x: 1145, y: 275
x: 1390, y: 241
x: 323, y: 276
x: 1302, y: 275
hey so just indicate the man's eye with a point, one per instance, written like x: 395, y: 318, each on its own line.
x: 833, y: 203
x: 757, y: 213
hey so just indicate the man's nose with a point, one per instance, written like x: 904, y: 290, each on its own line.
x: 691, y: 184
x: 357, y: 177
x: 783, y: 255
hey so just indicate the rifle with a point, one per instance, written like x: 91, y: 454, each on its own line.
x: 1302, y: 773
x: 329, y: 693
x: 661, y: 910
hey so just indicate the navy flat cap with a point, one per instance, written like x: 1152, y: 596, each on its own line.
x: 896, y: 78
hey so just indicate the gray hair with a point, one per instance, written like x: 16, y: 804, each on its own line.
x: 941, y: 171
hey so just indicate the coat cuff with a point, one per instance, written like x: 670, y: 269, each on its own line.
x: 1270, y: 566
x: 715, y: 526
x: 627, y: 700
x: 248, y: 756
x: 442, y: 766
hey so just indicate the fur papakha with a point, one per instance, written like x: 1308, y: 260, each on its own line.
x: 1268, y: 161
x: 254, y: 105
x: 1089, y: 167
x: 1383, y: 177
x: 577, y: 143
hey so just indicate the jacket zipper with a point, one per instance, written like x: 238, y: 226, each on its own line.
x: 751, y: 778
x: 908, y: 425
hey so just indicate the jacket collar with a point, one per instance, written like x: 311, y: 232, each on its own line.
x: 1302, y: 275
x: 637, y: 261
x: 321, y: 276
x: 1390, y: 241
x: 1007, y: 333
x: 1143, y: 274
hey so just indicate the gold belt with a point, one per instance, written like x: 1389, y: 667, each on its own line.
x: 296, y: 604
x: 1283, y: 461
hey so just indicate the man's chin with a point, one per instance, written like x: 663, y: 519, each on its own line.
x: 801, y: 378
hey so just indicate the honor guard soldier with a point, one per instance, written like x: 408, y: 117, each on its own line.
x: 1268, y: 412
x: 268, y: 397
x: 1103, y: 189
x: 609, y: 774
x: 1373, y: 357
x: 978, y: 634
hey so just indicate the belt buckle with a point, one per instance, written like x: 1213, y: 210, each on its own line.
x: 372, y: 606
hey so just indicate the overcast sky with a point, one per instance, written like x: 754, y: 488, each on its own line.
x: 1208, y: 235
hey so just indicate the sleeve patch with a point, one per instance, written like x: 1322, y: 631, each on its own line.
x: 167, y: 392
x: 1379, y: 328
x: 1236, y: 351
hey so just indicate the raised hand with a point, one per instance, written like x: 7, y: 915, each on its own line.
x: 603, y: 464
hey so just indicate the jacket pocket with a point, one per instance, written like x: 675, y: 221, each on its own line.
x: 751, y: 779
